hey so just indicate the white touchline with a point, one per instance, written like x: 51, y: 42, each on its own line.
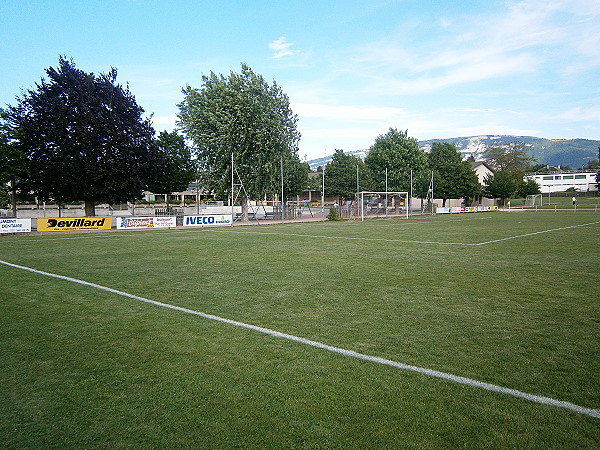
x: 350, y: 353
x: 538, y: 232
x: 345, y: 238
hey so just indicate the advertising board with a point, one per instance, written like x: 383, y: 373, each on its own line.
x: 15, y: 225
x: 74, y: 224
x: 131, y: 223
x: 208, y: 220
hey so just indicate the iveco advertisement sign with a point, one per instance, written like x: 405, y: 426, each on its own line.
x: 214, y: 220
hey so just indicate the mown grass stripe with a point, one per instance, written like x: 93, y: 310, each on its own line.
x: 349, y: 353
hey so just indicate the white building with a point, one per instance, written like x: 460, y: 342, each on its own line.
x: 560, y: 182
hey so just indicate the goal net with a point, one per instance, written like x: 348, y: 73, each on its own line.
x: 369, y: 204
x: 534, y: 200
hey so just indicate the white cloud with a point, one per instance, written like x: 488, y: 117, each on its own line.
x: 579, y: 114
x: 282, y: 48
x: 347, y: 112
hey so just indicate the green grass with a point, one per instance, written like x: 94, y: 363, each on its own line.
x: 84, y: 368
x: 564, y: 201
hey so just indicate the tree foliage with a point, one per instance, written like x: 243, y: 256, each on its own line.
x: 178, y: 167
x: 12, y: 164
x: 83, y: 138
x: 513, y: 158
x: 399, y: 154
x: 453, y: 177
x: 528, y: 187
x: 502, y: 185
x: 341, y: 175
x: 244, y: 116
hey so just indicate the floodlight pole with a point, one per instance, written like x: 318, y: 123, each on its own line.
x: 323, y: 194
x: 409, y: 200
x: 282, y: 190
x: 386, y: 191
x: 232, y: 210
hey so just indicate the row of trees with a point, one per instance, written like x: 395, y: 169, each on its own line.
x: 396, y: 163
x: 82, y: 137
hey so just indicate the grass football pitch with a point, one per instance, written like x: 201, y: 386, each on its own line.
x: 507, y: 299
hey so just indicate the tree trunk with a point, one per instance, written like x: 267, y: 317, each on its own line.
x: 90, y: 209
x: 245, y: 209
x: 13, y: 200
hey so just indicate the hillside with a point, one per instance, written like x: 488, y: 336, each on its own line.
x: 554, y: 152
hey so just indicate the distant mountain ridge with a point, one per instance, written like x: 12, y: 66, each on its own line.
x: 553, y: 152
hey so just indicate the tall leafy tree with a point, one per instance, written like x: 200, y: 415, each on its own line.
x: 295, y: 177
x: 12, y: 165
x: 514, y: 158
x: 399, y: 154
x: 453, y: 177
x: 84, y: 138
x: 341, y: 175
x: 528, y: 187
x: 502, y: 185
x: 178, y: 167
x: 243, y: 116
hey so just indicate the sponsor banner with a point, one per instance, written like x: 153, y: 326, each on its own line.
x: 457, y: 209
x: 76, y: 223
x: 130, y: 223
x: 213, y: 220
x: 483, y: 208
x: 15, y: 225
x: 442, y: 210
x: 469, y: 209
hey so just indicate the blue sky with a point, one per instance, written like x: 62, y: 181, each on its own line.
x: 352, y: 69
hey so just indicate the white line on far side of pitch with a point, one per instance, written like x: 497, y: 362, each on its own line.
x: 346, y: 238
x: 538, y: 232
x: 349, y: 353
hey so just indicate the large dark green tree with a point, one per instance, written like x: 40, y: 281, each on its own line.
x: 178, y: 167
x: 453, y: 177
x: 345, y: 175
x: 12, y: 165
x: 243, y: 116
x: 502, y: 185
x: 399, y: 154
x: 84, y: 138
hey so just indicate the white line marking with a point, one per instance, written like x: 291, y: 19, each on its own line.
x: 347, y: 238
x: 350, y: 353
x: 537, y: 232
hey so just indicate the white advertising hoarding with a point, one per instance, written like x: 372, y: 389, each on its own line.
x: 15, y: 225
x: 131, y: 223
x: 208, y: 220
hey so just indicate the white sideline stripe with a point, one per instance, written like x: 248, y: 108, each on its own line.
x: 347, y: 238
x: 538, y: 232
x: 350, y: 353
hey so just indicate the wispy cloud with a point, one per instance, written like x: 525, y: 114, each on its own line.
x: 282, y: 48
x: 532, y: 35
x: 581, y: 114
x: 346, y: 112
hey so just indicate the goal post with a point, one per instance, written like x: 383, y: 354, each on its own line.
x: 381, y: 204
x: 534, y: 200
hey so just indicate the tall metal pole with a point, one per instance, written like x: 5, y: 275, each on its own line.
x: 409, y: 202
x: 232, y: 210
x: 323, y: 194
x: 386, y: 191
x: 282, y: 213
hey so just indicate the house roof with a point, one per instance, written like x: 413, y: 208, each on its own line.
x: 476, y: 164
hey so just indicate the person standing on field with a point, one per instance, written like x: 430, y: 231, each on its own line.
x: 574, y: 201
